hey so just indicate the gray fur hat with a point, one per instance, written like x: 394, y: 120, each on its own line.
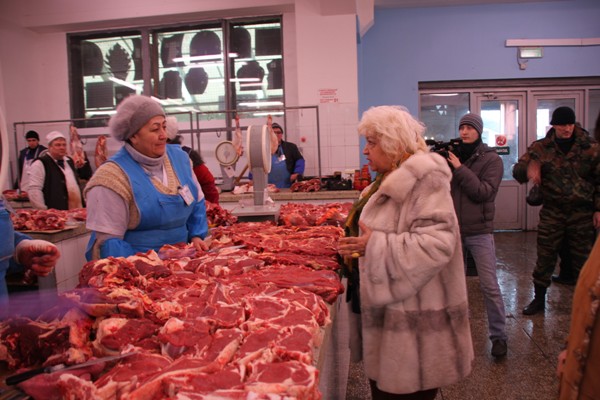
x: 132, y: 114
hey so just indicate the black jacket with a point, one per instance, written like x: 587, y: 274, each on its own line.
x: 474, y: 187
x: 55, y: 184
x: 292, y: 156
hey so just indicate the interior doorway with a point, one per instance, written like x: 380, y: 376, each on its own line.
x: 514, y: 115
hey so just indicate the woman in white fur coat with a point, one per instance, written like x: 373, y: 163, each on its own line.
x: 404, y: 234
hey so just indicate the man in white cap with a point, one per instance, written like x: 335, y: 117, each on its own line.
x: 53, y: 182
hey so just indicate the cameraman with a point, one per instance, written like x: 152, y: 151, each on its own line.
x: 477, y: 173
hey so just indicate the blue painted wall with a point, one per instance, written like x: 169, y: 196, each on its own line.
x: 406, y: 46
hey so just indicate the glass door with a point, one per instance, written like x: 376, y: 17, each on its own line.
x: 543, y: 105
x: 503, y: 122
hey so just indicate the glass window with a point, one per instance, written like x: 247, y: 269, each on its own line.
x: 594, y: 111
x: 190, y: 69
x: 257, y: 65
x: 108, y: 69
x: 441, y: 112
x: 501, y: 130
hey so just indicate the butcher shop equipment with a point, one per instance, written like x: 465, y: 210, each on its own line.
x: 259, y: 158
x: 258, y: 150
x: 227, y: 156
x: 23, y: 376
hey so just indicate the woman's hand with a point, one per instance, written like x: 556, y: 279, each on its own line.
x: 355, y: 246
x: 199, y: 244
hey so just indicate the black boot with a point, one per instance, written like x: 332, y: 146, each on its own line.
x: 538, y: 303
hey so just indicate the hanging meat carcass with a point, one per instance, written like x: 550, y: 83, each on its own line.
x: 101, y: 153
x: 76, y: 149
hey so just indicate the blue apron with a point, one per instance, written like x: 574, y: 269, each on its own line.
x: 164, y: 218
x: 7, y: 251
x: 279, y: 175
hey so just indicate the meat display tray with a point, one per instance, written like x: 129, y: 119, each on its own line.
x: 66, y: 228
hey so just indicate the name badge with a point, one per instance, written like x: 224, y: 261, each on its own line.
x: 281, y: 158
x: 186, y: 195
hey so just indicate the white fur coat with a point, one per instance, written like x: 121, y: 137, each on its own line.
x: 415, y: 325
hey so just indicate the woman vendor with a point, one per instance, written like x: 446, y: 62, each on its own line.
x: 146, y: 195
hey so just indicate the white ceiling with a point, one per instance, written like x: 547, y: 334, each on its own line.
x: 446, y: 3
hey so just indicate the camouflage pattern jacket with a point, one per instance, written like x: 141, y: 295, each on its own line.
x: 567, y: 179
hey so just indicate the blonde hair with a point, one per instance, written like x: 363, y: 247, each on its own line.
x: 398, y: 132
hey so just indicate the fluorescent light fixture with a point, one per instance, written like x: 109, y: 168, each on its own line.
x: 110, y: 112
x: 244, y: 80
x: 209, y: 57
x: 264, y: 114
x: 443, y: 94
x: 261, y: 103
x: 250, y: 85
x: 168, y: 102
x: 531, y: 52
x: 125, y: 83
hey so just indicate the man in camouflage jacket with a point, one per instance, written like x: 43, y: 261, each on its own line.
x: 566, y: 165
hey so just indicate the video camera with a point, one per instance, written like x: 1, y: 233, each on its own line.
x: 443, y: 148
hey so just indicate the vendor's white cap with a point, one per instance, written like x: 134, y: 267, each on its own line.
x: 53, y: 136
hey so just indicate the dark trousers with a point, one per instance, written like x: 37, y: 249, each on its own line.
x: 561, y: 227
x: 377, y: 394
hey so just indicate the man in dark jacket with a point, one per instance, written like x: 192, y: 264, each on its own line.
x: 477, y: 174
x: 566, y: 166
x: 27, y: 156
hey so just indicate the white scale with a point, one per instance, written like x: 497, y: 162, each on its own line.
x: 227, y: 157
x: 258, y: 146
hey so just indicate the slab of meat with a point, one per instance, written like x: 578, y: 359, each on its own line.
x: 113, y: 335
x: 76, y: 147
x: 311, y: 185
x: 289, y: 378
x: 101, y: 152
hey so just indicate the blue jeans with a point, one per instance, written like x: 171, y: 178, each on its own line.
x: 483, y: 250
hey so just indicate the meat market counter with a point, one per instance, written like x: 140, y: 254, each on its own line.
x: 228, y: 200
x: 71, y: 243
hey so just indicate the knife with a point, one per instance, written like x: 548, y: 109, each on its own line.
x: 23, y: 376
x: 220, y: 249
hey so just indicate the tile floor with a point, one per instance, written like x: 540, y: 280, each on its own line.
x: 528, y: 371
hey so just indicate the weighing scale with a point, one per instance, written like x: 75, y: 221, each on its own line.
x: 227, y: 156
x: 258, y: 145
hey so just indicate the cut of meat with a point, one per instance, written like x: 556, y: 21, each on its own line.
x: 131, y: 373
x: 109, y: 272
x: 323, y: 283
x: 290, y: 378
x: 202, y: 383
x: 182, y: 337
x: 115, y: 334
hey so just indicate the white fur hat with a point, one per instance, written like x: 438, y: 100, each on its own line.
x: 132, y: 114
x: 53, y: 136
x: 172, y: 127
